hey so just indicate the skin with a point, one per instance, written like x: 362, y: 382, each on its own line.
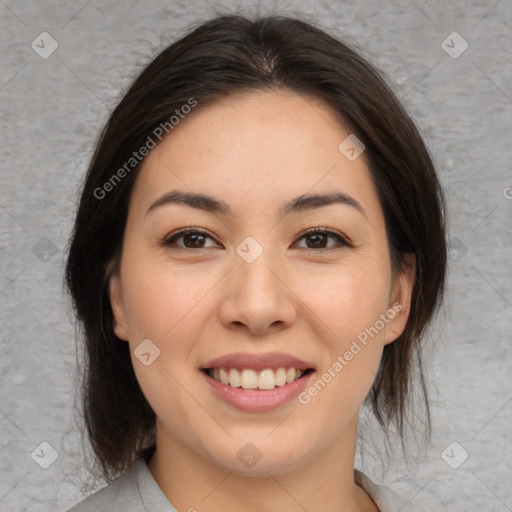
x: 255, y: 151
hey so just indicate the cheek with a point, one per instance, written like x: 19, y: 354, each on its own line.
x: 170, y: 307
x: 350, y: 299
x: 161, y: 300
x: 167, y: 306
x: 351, y: 302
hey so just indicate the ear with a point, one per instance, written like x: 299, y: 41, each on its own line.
x: 400, y: 302
x: 118, y: 311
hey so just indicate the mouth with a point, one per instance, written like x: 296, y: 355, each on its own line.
x: 257, y: 383
x: 257, y: 380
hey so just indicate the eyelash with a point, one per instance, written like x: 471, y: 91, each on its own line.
x: 342, y: 241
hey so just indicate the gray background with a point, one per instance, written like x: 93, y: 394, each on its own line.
x: 51, y: 111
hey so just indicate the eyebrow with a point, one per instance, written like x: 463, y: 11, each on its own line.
x: 212, y: 205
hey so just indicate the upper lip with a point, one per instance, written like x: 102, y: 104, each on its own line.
x: 258, y: 361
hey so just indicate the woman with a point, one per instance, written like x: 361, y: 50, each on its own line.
x: 258, y: 250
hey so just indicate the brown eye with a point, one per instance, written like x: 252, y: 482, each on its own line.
x: 190, y: 239
x: 193, y: 240
x: 320, y: 239
x: 317, y: 240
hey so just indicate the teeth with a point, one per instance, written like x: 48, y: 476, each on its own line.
x: 266, y: 379
x: 224, y: 377
x: 234, y: 378
x: 252, y: 379
x: 249, y: 379
x: 280, y: 377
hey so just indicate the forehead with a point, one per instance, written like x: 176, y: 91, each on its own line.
x: 254, y: 150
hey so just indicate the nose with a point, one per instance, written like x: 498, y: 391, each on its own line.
x: 257, y: 298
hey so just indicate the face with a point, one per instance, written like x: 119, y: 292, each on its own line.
x: 279, y: 282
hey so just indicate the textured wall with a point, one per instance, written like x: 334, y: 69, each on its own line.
x: 51, y: 110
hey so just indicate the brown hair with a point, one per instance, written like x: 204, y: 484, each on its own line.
x: 222, y: 56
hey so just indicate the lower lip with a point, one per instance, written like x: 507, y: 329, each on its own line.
x: 258, y: 400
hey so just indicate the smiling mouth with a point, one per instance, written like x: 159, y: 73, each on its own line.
x: 256, y: 380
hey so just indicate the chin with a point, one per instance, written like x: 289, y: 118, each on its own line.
x: 259, y: 459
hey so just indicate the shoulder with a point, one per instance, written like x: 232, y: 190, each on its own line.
x: 120, y: 493
x: 386, y: 499
x: 135, y: 491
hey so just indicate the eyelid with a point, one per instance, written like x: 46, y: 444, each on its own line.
x: 167, y: 241
x: 343, y: 240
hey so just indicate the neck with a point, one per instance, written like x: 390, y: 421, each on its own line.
x: 194, y: 483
